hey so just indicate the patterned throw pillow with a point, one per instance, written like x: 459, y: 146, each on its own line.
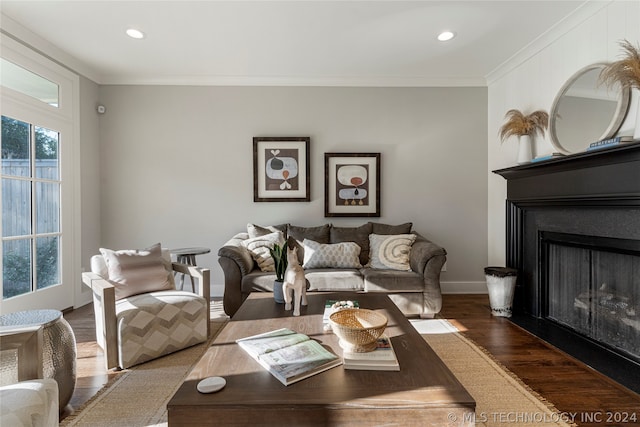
x: 338, y: 255
x: 391, y: 252
x: 259, y: 249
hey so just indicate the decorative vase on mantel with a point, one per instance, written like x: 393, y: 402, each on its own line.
x: 525, y: 153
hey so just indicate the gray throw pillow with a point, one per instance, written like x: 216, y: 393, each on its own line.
x: 297, y: 234
x: 379, y: 228
x: 359, y: 235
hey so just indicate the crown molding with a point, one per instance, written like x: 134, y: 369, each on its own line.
x: 31, y: 40
x: 585, y: 11
x: 210, y: 80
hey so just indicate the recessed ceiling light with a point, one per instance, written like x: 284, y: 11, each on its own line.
x: 446, y: 36
x: 135, y: 34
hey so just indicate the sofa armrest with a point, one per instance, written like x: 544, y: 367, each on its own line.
x: 233, y: 250
x: 427, y: 258
x: 422, y: 251
x: 236, y: 262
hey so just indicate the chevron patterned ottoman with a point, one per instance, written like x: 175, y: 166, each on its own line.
x: 158, y: 323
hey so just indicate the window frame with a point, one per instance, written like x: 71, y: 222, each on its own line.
x: 64, y: 119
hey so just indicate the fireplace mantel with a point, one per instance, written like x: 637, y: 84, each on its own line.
x: 608, y: 173
x: 595, y: 193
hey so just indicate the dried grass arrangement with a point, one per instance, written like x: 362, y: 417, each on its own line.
x: 518, y: 124
x: 625, y: 71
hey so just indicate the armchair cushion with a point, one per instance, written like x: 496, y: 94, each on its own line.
x: 134, y: 272
x: 158, y: 323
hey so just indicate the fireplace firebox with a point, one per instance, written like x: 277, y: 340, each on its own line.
x: 573, y: 232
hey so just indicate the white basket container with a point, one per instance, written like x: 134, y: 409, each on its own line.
x: 501, y: 283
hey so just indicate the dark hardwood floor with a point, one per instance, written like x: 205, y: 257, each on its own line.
x: 575, y: 389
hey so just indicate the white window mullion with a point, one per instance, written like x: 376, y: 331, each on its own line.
x: 34, y: 201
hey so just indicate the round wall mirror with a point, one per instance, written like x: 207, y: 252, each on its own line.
x: 586, y: 111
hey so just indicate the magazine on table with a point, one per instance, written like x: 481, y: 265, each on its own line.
x: 383, y: 358
x: 289, y: 356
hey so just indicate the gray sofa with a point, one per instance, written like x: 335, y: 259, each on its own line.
x: 415, y: 292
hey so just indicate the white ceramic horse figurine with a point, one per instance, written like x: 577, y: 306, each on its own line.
x: 294, y: 283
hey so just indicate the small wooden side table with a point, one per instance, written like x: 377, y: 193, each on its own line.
x: 188, y: 256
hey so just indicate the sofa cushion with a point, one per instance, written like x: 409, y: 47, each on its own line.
x: 337, y: 255
x: 379, y: 228
x: 329, y: 279
x: 321, y: 279
x: 392, y: 281
x: 391, y: 251
x: 136, y: 271
x: 260, y: 246
x: 359, y: 235
x: 295, y: 236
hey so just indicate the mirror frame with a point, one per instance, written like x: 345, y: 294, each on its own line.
x: 616, y: 120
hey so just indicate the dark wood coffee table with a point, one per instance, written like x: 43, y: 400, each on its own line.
x: 424, y: 392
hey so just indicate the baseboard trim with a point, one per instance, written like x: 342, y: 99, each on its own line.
x: 463, y: 287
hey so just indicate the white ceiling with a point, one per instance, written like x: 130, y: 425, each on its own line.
x: 388, y: 43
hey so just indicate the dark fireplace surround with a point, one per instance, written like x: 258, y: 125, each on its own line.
x: 573, y: 233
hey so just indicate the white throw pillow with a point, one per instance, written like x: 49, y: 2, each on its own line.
x: 136, y: 271
x: 337, y: 255
x: 391, y: 252
x: 259, y: 249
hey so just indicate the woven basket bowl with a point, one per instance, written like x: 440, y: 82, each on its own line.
x: 358, y: 328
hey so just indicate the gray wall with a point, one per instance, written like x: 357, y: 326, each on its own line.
x: 176, y: 163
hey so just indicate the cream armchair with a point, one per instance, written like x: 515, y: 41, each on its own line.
x: 133, y: 329
x: 31, y: 401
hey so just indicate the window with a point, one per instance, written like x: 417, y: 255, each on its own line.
x: 24, y: 81
x: 30, y: 207
x: 39, y: 160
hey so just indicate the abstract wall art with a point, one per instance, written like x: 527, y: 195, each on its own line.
x: 352, y: 184
x: 281, y: 169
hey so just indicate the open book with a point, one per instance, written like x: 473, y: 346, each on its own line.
x: 289, y: 356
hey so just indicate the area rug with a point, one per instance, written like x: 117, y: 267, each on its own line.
x: 139, y: 396
x: 501, y: 397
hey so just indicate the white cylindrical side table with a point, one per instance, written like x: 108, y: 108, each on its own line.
x: 59, y: 347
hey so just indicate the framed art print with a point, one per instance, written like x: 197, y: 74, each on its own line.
x: 281, y: 169
x: 352, y: 184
